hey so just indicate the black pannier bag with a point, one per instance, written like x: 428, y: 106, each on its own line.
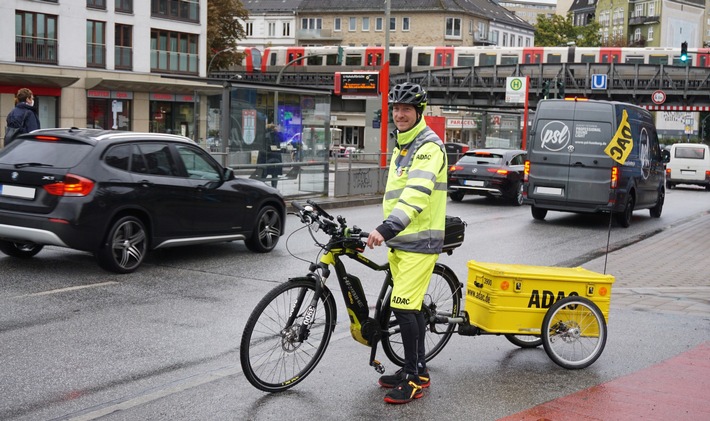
x: 453, y: 233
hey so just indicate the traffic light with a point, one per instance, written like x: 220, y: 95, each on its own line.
x: 684, y: 52
x: 560, y: 89
x: 545, y: 89
x: 340, y: 55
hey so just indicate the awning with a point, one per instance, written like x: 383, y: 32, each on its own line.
x: 27, y: 79
x: 154, y: 84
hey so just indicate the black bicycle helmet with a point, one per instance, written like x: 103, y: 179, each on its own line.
x: 408, y: 93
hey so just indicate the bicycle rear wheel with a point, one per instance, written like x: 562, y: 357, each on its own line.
x: 524, y: 341
x: 273, y: 358
x: 442, y: 298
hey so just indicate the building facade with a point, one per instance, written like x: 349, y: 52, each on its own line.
x: 107, y: 63
x: 651, y: 23
x: 411, y: 22
x: 270, y: 23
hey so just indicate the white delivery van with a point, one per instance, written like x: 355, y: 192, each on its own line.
x: 689, y: 164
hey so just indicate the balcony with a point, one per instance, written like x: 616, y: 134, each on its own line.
x: 318, y: 35
x: 36, y: 50
x: 652, y: 19
x: 636, y: 19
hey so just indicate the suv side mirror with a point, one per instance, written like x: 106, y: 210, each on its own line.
x: 228, y: 174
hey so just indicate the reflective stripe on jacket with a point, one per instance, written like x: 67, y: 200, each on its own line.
x: 414, y: 203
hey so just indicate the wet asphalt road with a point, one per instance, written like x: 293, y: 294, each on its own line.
x: 80, y: 343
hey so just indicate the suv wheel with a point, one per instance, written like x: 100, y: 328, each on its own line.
x: 456, y: 196
x: 516, y: 197
x: 538, y: 213
x: 656, y: 210
x: 125, y: 246
x: 624, y: 217
x: 266, y: 232
x: 21, y: 250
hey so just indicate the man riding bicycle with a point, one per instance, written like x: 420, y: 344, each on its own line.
x: 414, y: 207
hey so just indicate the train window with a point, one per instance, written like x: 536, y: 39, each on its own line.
x: 394, y: 59
x: 656, y: 59
x: 487, y: 59
x: 634, y: 59
x: 507, y: 59
x: 588, y: 58
x: 466, y: 61
x: 554, y: 58
x: 424, y: 59
x: 703, y: 60
x: 272, y: 59
x: 315, y: 60
x: 353, y: 60
x: 677, y: 62
x: 331, y: 60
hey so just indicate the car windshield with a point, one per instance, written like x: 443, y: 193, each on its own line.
x: 57, y: 154
x: 486, y: 158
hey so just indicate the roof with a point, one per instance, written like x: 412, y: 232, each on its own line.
x: 483, y: 8
x: 271, y: 6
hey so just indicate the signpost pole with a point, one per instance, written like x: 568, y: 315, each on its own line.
x: 525, y: 115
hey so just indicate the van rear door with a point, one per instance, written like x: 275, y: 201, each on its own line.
x: 568, y: 165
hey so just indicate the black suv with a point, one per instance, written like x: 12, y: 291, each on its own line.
x: 120, y: 194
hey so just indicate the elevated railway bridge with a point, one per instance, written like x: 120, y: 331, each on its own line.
x: 683, y: 88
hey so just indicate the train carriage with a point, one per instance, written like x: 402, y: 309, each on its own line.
x: 405, y: 59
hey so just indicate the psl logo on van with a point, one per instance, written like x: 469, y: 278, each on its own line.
x: 555, y: 136
x: 644, y: 153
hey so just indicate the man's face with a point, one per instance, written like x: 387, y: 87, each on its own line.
x: 404, y: 116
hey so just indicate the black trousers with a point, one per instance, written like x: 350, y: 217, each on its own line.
x: 412, y: 327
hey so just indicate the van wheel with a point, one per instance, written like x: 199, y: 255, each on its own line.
x: 669, y: 185
x: 624, y: 217
x: 538, y: 213
x: 656, y: 210
x: 456, y: 196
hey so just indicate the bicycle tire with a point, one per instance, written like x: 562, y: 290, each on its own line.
x: 574, y: 332
x: 443, y: 295
x: 271, y: 357
x: 524, y: 341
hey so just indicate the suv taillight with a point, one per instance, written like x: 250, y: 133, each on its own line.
x: 73, y: 185
x: 614, y: 177
x: 526, y: 173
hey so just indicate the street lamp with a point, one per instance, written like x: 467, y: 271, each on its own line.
x: 209, y: 66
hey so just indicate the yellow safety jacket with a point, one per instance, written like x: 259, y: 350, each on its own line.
x: 414, y: 203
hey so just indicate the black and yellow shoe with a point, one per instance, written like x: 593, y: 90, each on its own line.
x: 406, y: 391
x: 392, y: 380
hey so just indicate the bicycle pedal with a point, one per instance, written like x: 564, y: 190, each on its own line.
x: 378, y: 366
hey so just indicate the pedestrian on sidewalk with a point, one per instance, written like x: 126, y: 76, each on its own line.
x: 414, y: 207
x: 23, y: 118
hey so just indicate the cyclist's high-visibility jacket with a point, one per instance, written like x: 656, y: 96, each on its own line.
x: 414, y: 203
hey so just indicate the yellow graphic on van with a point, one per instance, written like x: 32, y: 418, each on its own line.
x: 622, y: 143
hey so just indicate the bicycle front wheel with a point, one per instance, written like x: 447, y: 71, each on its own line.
x: 275, y: 353
x: 443, y: 298
x: 574, y: 332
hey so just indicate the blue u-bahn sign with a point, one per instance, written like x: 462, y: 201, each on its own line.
x: 599, y: 81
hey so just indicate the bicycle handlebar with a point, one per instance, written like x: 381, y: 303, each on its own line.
x: 313, y: 213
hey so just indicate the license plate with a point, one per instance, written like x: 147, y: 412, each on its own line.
x: 17, y: 191
x: 473, y: 183
x: 687, y: 172
x: 549, y: 190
